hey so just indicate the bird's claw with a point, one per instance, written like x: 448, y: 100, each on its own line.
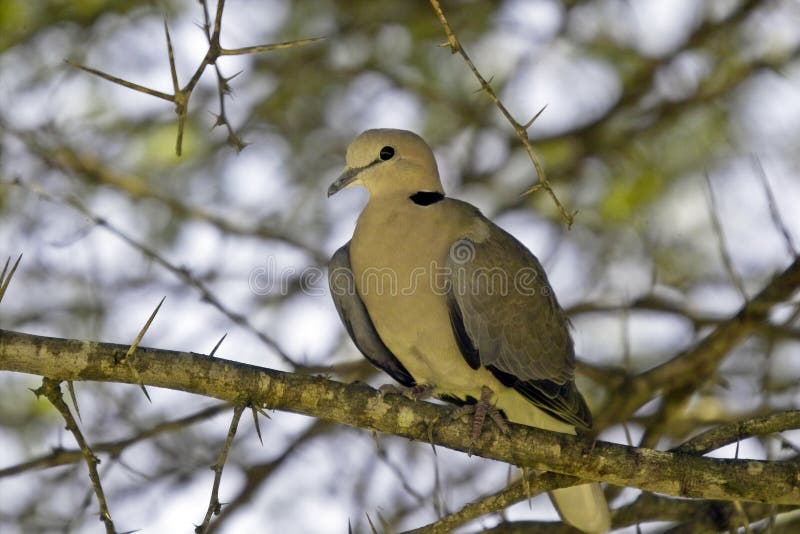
x: 479, y: 411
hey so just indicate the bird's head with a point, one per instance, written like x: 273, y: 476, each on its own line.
x: 389, y: 162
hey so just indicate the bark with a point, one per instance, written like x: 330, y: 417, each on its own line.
x: 672, y: 473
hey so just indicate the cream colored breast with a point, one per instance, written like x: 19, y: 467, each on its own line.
x: 398, y: 254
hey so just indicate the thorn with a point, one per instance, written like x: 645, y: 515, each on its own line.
x: 120, y: 81
x: 532, y: 189
x: 214, y: 350
x: 262, y: 412
x: 4, y: 281
x: 371, y: 526
x: 231, y: 77
x: 135, y: 344
x: 171, y: 56
x: 258, y: 427
x: 484, y: 86
x: 144, y: 328
x: 219, y: 120
x: 530, y: 122
x: 527, y: 485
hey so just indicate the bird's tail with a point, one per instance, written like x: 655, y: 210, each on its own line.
x: 584, y: 507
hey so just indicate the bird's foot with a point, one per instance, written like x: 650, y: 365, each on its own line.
x: 417, y: 392
x: 479, y: 411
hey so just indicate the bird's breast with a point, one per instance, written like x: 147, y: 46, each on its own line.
x: 399, y: 263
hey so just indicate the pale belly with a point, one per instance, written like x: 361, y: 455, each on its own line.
x: 408, y: 307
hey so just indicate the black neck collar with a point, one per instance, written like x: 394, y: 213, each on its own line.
x: 426, y: 198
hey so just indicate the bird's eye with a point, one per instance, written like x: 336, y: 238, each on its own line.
x: 387, y: 152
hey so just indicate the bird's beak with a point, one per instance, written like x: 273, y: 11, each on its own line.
x: 345, y: 179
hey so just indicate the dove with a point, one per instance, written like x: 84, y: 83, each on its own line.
x: 445, y: 301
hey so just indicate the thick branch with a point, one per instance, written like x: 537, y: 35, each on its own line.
x: 361, y: 406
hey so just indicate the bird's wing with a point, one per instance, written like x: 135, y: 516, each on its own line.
x: 506, y: 318
x: 356, y: 319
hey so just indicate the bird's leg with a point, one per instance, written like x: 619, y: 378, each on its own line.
x: 415, y: 392
x: 479, y: 411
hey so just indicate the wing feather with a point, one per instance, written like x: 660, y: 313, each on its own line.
x: 506, y: 318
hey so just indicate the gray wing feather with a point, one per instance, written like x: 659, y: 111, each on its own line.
x: 506, y: 318
x: 356, y: 318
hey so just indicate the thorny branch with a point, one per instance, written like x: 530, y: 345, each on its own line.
x: 520, y: 129
x: 701, y: 444
x: 51, y: 389
x: 214, y: 506
x: 256, y: 475
x: 180, y: 96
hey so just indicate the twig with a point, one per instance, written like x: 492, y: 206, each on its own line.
x: 181, y: 272
x: 214, y: 505
x: 114, y: 448
x: 223, y: 85
x: 120, y: 81
x: 69, y: 160
x: 269, y: 47
x: 520, y: 129
x: 774, y: 213
x: 257, y: 475
x: 727, y: 262
x: 51, y: 389
x: 74, y: 398
x: 398, y: 472
x: 522, y: 489
x: 722, y: 435
x: 697, y: 364
x: 180, y: 96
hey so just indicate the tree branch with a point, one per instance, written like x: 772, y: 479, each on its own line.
x: 360, y: 406
x: 51, y: 389
x: 698, y: 364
